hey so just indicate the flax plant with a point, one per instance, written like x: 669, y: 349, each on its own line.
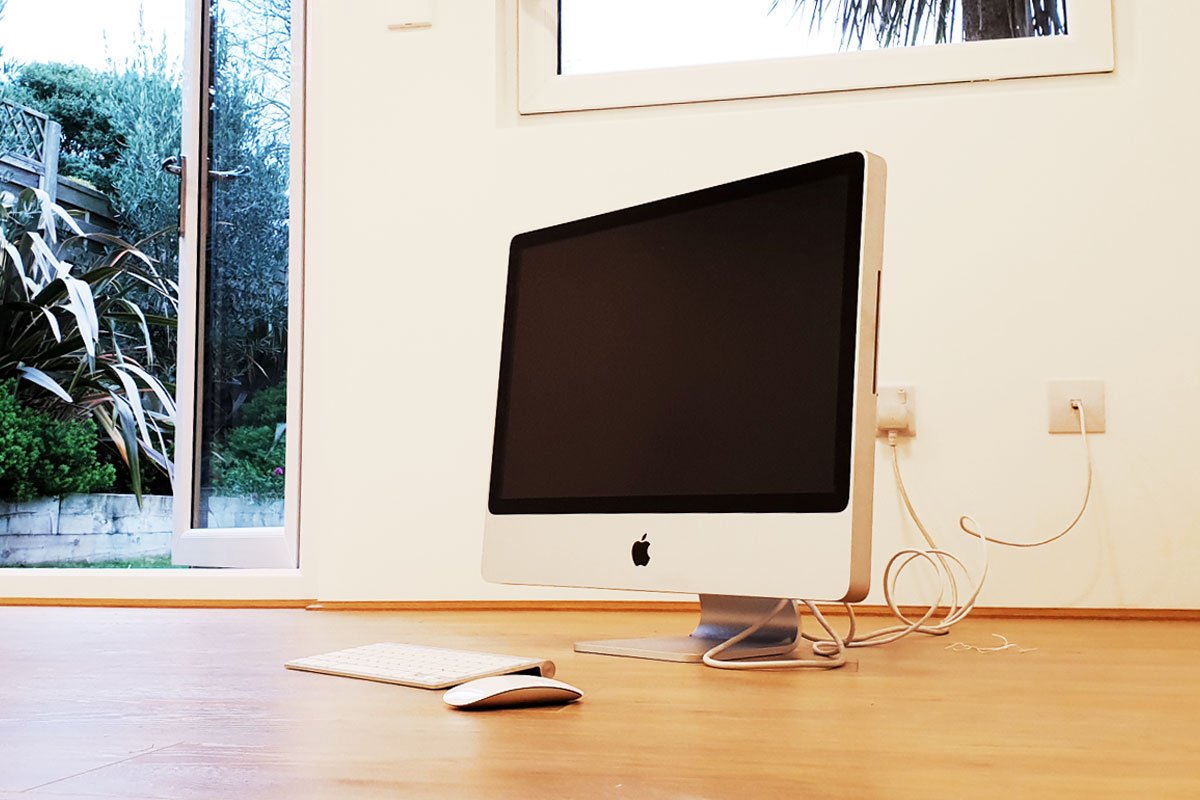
x: 71, y: 330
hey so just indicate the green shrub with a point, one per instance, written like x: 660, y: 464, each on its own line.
x: 72, y: 95
x: 41, y: 456
x: 69, y: 464
x: 19, y: 444
x: 248, y: 460
x: 267, y: 407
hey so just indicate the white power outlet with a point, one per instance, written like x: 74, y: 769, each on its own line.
x: 894, y: 411
x: 1064, y: 418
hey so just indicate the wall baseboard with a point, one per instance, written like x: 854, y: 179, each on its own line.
x: 690, y: 607
x: 116, y: 602
x: 999, y: 612
x: 505, y: 605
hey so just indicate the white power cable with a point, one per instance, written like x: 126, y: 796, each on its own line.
x: 962, y: 521
x: 832, y: 649
x: 831, y: 657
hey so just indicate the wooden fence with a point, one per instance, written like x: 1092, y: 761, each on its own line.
x: 29, y: 148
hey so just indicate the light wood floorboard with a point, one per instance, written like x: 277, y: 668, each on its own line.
x: 148, y: 704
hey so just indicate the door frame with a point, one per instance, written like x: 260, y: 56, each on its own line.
x: 254, y: 548
x: 199, y: 586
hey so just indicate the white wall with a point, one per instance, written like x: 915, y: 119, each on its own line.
x: 1037, y: 229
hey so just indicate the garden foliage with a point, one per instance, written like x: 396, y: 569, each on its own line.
x: 143, y: 105
x: 41, y: 456
x: 76, y: 98
x: 247, y: 298
x: 895, y: 23
x: 71, y: 330
x: 250, y: 457
x: 119, y: 125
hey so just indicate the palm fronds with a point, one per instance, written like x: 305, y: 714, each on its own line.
x: 892, y: 23
x: 75, y: 333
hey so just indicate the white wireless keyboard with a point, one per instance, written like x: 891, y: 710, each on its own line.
x: 419, y: 666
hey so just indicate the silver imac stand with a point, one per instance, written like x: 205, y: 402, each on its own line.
x: 722, y: 617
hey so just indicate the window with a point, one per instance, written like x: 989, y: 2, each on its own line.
x: 581, y: 54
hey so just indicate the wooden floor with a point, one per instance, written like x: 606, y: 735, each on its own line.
x: 189, y: 703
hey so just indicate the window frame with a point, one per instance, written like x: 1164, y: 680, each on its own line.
x: 1088, y: 48
x: 246, y: 548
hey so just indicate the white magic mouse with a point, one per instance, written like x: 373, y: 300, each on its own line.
x: 509, y: 691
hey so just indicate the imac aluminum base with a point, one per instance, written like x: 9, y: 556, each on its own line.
x: 721, y: 618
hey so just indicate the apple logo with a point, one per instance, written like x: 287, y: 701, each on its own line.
x: 641, y: 552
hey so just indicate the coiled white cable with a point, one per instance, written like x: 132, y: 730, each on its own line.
x: 832, y: 649
x: 832, y: 656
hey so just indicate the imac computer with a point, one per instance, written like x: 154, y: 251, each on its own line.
x: 687, y: 402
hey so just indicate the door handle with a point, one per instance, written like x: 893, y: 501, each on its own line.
x: 177, y: 165
x: 229, y: 174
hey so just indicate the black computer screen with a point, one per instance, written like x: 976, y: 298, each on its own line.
x: 694, y: 354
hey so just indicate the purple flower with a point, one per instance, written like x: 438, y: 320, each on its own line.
x: 277, y: 471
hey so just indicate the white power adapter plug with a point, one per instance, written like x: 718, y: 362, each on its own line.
x: 894, y: 412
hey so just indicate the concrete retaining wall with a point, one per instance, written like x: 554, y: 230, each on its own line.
x: 105, y: 527
x: 240, y: 512
x: 84, y: 527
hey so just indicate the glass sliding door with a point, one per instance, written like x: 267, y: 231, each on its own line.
x: 238, y: 468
